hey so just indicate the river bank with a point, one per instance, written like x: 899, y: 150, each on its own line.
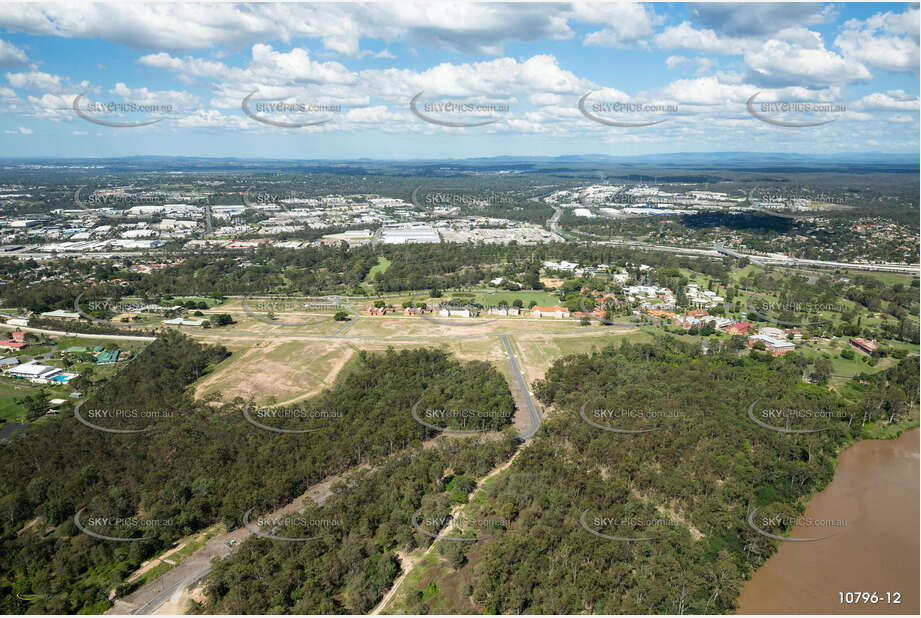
x: 876, y: 491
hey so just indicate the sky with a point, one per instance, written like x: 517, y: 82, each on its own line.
x: 412, y: 80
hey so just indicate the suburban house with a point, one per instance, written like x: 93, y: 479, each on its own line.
x: 414, y: 310
x: 502, y: 310
x: 549, y: 312
x: 867, y: 346
x: 772, y: 345
x: 11, y: 345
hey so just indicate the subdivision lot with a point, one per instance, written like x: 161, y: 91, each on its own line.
x: 276, y: 370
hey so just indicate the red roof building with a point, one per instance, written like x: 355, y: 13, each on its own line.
x: 867, y: 346
x: 739, y: 328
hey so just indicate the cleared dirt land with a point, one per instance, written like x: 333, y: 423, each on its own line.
x: 277, y: 369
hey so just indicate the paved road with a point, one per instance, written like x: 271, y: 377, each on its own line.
x: 148, y: 598
x: 523, y: 387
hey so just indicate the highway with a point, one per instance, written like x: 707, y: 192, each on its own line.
x: 718, y: 251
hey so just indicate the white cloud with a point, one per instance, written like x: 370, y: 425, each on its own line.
x: 468, y: 28
x: 19, y: 131
x: 888, y: 41
x: 704, y: 64
x: 686, y: 36
x: 10, y: 55
x: 780, y: 63
x: 894, y: 100
x: 676, y: 61
x: 35, y: 80
x: 624, y: 23
x: 759, y: 19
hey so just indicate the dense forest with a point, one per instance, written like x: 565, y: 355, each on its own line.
x: 349, y: 568
x: 688, y: 485
x: 198, y: 464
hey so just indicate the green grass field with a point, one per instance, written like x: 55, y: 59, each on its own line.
x: 382, y: 265
x: 10, y: 411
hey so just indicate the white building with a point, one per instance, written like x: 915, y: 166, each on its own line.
x: 454, y: 312
x: 34, y: 372
x: 406, y: 235
x: 562, y: 265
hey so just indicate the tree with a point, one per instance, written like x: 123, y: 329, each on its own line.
x: 223, y: 319
x: 821, y: 371
x: 341, y: 316
x: 35, y: 404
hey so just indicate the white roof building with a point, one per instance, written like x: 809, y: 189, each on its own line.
x: 34, y: 371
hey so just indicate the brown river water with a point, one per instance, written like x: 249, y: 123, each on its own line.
x: 876, y: 491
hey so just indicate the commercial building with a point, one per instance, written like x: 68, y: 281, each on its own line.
x: 184, y: 322
x: 406, y: 235
x: 776, y: 347
x: 34, y: 372
x: 60, y: 314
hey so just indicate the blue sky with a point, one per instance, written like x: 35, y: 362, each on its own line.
x: 659, y: 78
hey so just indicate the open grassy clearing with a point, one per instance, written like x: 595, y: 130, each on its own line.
x: 536, y: 352
x: 10, y: 411
x: 415, y: 326
x: 277, y: 371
